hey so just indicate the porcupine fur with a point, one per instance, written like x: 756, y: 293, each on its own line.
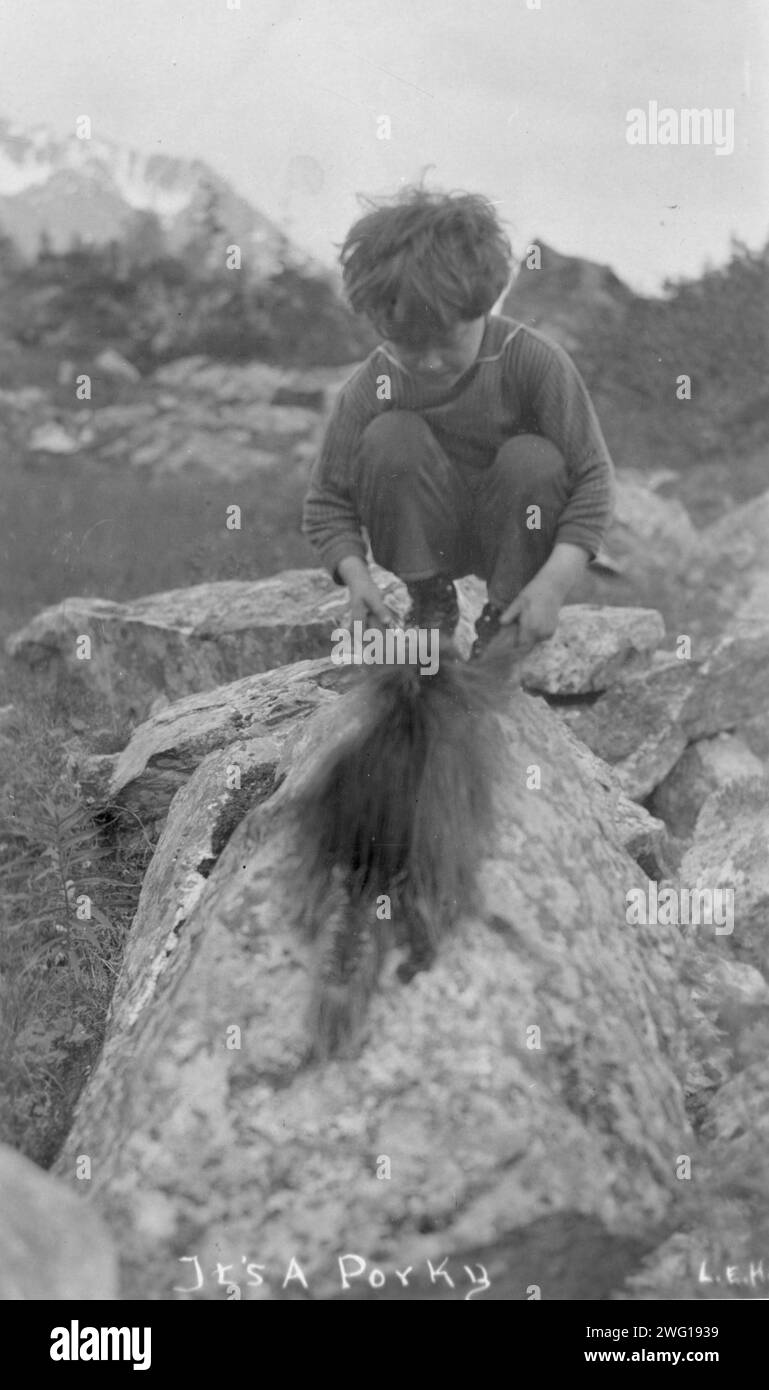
x: 403, y: 807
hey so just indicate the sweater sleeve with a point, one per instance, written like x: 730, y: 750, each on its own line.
x: 553, y: 394
x: 330, y: 520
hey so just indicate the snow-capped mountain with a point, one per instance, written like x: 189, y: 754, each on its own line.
x: 89, y: 188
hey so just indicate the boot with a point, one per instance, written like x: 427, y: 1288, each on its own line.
x: 487, y: 627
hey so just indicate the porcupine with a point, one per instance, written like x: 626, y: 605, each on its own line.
x: 403, y: 807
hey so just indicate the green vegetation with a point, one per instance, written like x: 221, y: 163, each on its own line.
x: 67, y: 895
x: 152, y: 305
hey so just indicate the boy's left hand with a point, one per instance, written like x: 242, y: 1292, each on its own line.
x: 536, y: 610
x: 537, y: 606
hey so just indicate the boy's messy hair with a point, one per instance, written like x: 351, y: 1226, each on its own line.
x: 417, y: 263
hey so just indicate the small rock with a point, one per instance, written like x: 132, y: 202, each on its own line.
x: 295, y: 395
x: 264, y: 419
x: 253, y: 381
x: 122, y: 417
x: 52, y: 438
x: 179, y: 372
x: 9, y: 718
x: 25, y: 399
x: 112, y: 364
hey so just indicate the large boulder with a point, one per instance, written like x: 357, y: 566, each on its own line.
x: 643, y: 723
x: 584, y: 654
x: 730, y: 853
x: 217, y: 788
x: 653, y: 544
x: 635, y: 726
x: 730, y: 577
x: 54, y: 1245
x: 568, y: 298
x: 166, y: 749
x: 722, y: 1253
x: 182, y: 641
x: 591, y: 648
x: 705, y: 766
x: 168, y: 645
x: 202, y: 816
x: 215, y: 1141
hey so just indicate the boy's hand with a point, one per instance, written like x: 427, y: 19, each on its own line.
x: 536, y: 611
x: 365, y: 597
x: 537, y: 606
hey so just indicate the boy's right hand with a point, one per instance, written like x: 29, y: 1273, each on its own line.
x: 365, y: 597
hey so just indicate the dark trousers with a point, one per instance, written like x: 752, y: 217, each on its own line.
x: 426, y: 515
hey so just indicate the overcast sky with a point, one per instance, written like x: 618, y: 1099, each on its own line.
x: 529, y: 106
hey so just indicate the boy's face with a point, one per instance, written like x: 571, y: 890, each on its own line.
x: 441, y: 361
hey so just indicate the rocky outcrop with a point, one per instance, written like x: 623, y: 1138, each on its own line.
x: 644, y: 836
x: 567, y: 297
x: 164, y: 751
x: 722, y: 1254
x: 54, y: 1245
x: 705, y: 766
x: 151, y: 656
x: 583, y: 656
x: 279, y: 1158
x: 730, y: 579
x: 196, y: 377
x: 165, y: 646
x: 216, y: 789
x: 643, y: 723
x: 591, y: 648
x: 187, y: 640
x: 194, y: 417
x: 730, y: 852
x: 202, y: 816
x: 653, y: 544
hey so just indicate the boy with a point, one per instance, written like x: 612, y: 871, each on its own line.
x: 466, y: 443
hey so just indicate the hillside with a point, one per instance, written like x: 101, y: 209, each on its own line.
x: 90, y: 190
x: 632, y: 351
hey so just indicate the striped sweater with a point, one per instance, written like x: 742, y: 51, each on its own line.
x: 520, y: 382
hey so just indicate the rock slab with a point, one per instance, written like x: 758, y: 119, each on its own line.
x: 215, y: 1150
